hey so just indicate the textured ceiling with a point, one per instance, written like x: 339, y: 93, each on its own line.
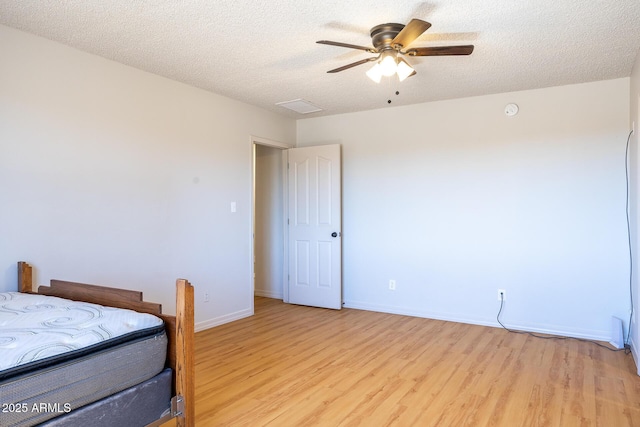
x: 264, y: 52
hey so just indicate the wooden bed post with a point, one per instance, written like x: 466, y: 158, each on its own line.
x: 25, y: 278
x: 185, y: 361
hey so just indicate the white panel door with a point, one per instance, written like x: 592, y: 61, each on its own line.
x: 315, y: 226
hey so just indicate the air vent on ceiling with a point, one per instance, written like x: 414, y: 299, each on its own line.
x: 299, y: 106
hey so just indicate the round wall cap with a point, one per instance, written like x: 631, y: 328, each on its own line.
x: 511, y: 110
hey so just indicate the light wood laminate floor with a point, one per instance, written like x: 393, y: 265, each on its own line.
x: 298, y: 366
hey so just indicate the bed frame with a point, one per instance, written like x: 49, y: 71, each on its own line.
x: 179, y: 328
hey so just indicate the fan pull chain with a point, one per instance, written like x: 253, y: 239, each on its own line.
x: 390, y: 90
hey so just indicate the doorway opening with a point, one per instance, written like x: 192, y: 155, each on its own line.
x: 269, y: 219
x: 298, y: 262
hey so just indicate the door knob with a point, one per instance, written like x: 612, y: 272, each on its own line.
x: 334, y: 234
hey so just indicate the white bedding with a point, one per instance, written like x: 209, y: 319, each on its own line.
x: 34, y: 327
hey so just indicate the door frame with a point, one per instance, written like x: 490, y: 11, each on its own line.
x: 257, y: 140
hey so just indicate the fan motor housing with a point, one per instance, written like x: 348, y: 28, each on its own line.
x: 382, y: 35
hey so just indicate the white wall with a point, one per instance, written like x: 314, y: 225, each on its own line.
x: 454, y: 200
x: 112, y: 175
x: 269, y: 226
x: 634, y: 161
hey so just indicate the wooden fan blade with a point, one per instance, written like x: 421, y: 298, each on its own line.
x: 350, y: 46
x: 440, y: 50
x: 410, y: 32
x: 344, y: 67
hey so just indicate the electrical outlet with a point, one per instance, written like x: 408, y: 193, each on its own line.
x: 206, y: 297
x: 392, y: 285
x: 502, y: 295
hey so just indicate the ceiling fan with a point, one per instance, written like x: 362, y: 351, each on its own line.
x: 390, y: 42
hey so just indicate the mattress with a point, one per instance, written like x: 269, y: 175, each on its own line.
x: 59, y: 355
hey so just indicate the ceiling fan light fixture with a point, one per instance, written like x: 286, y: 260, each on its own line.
x: 388, y: 64
x: 375, y: 73
x: 404, y: 70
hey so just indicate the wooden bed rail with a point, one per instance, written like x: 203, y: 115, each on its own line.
x: 180, y: 328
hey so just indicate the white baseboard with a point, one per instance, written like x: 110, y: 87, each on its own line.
x: 201, y: 326
x: 267, y: 294
x: 529, y: 327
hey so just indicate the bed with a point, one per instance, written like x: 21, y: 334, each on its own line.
x: 75, y: 354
